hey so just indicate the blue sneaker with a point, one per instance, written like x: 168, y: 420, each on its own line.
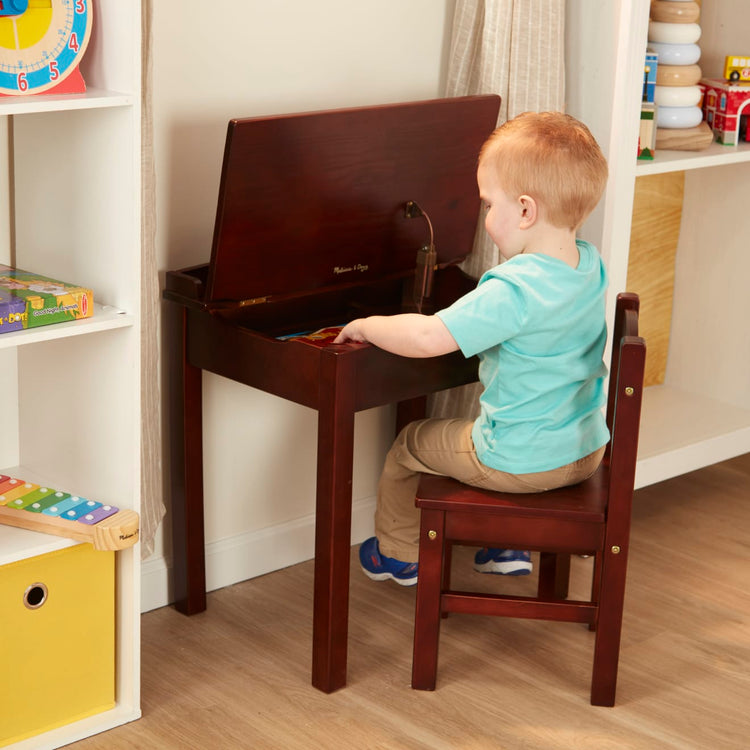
x: 381, y: 568
x: 506, y: 562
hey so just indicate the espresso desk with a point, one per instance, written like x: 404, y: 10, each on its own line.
x: 347, y: 248
x: 337, y: 381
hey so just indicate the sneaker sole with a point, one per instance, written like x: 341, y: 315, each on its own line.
x: 387, y: 576
x: 516, y: 568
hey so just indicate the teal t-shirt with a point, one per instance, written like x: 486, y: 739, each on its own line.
x: 539, y: 329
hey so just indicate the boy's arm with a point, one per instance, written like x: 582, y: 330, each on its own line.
x: 408, y: 334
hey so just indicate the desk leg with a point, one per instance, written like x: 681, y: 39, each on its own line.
x: 333, y: 522
x: 189, y: 568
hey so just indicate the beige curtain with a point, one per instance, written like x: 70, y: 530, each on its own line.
x: 514, y: 48
x: 152, y: 507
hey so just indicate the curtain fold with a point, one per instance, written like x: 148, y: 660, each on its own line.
x: 514, y: 48
x: 152, y: 506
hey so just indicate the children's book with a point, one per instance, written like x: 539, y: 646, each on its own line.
x: 321, y: 337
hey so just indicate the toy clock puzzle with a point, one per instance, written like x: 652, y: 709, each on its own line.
x: 42, y: 43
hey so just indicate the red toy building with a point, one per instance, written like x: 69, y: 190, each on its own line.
x: 726, y: 106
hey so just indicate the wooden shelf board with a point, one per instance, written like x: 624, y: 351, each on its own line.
x: 105, y: 318
x: 19, y: 544
x: 715, y: 155
x: 682, y: 431
x: 92, y: 99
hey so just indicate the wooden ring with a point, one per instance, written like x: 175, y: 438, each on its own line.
x: 678, y: 117
x: 677, y: 96
x: 678, y: 75
x: 671, y: 12
x: 676, y: 54
x: 673, y: 33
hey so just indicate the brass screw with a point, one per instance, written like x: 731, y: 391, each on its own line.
x: 432, y: 535
x: 629, y: 391
x: 615, y: 550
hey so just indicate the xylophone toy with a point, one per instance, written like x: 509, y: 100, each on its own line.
x: 30, y: 506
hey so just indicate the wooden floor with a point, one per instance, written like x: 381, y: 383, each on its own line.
x: 237, y: 676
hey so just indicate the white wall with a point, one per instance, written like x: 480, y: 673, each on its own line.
x: 239, y: 59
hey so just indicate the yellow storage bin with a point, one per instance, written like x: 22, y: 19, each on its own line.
x: 57, y: 640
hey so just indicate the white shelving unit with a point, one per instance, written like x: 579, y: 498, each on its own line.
x: 701, y: 414
x: 70, y: 393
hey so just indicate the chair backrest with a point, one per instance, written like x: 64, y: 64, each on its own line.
x: 624, y: 402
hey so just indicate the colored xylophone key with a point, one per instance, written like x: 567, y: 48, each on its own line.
x: 30, y: 506
x: 17, y: 488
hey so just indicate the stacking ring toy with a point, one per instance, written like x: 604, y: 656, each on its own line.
x: 678, y: 75
x: 676, y: 54
x: 670, y: 12
x: 673, y: 33
x: 677, y: 96
x: 678, y: 117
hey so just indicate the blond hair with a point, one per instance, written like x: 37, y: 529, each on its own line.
x: 553, y: 158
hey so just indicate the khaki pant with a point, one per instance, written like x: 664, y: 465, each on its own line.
x: 444, y: 446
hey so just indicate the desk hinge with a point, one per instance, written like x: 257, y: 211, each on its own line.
x: 234, y: 304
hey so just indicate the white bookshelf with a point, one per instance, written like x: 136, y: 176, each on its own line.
x: 70, y: 393
x: 701, y: 414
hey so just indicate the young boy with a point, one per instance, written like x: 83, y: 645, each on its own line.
x: 537, y: 323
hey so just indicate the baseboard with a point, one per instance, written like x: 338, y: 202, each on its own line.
x: 255, y: 553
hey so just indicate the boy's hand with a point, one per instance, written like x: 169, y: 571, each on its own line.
x: 351, y: 332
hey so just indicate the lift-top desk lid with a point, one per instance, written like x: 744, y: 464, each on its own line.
x: 317, y: 200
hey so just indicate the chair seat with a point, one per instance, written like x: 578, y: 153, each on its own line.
x: 568, y: 519
x: 586, y: 501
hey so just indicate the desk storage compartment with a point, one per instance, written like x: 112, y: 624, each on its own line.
x: 57, y: 640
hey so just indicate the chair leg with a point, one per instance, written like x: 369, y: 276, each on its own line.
x: 554, y: 575
x: 447, y: 563
x: 427, y: 615
x: 596, y: 583
x: 608, y: 629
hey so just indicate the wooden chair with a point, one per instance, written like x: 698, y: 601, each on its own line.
x: 591, y: 518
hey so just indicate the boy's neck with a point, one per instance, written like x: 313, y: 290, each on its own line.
x: 554, y: 241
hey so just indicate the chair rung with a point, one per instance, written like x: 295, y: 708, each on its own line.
x: 517, y: 606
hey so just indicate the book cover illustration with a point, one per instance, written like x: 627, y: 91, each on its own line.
x: 29, y: 300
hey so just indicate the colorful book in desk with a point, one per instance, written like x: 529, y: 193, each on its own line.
x: 30, y: 506
x: 321, y: 337
x: 28, y: 300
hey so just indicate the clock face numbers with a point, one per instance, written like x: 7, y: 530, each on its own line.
x: 41, y: 46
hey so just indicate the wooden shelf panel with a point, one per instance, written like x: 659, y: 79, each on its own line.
x: 716, y: 155
x: 92, y: 99
x: 105, y: 318
x: 682, y: 431
x: 19, y: 544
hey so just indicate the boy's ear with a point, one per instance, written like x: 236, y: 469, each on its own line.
x: 529, y: 211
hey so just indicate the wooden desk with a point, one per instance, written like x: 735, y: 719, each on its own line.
x: 337, y: 381
x: 311, y: 231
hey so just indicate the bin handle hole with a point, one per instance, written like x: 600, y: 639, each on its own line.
x: 35, y: 596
